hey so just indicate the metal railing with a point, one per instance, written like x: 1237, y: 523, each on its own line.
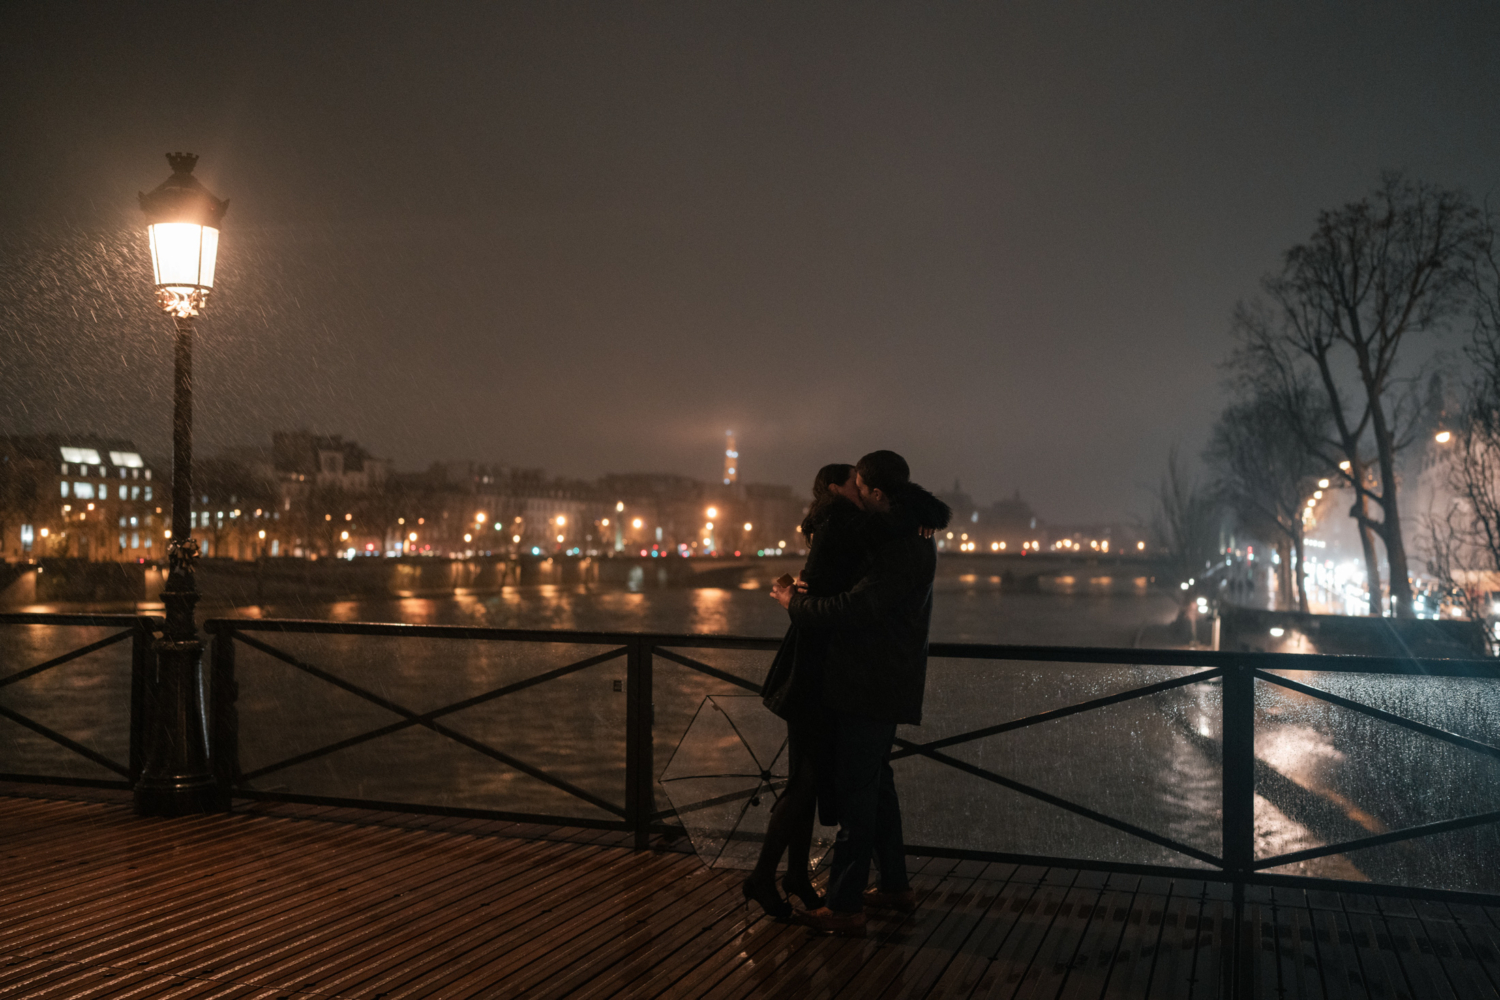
x: 135, y: 629
x: 634, y: 808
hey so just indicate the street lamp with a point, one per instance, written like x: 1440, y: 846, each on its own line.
x: 182, y: 228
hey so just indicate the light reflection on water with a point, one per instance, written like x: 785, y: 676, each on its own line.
x: 961, y: 613
x: 710, y: 610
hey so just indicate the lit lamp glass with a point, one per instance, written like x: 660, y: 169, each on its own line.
x: 183, y: 255
x: 182, y: 227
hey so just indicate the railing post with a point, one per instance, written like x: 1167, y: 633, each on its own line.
x: 640, y: 798
x: 224, y: 715
x: 1239, y: 808
x: 141, y: 653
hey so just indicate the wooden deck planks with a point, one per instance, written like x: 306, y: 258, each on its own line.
x: 1384, y: 976
x: 1459, y: 961
x: 1343, y: 976
x: 259, y: 891
x: 1054, y: 959
x: 910, y: 936
x: 323, y: 904
x: 433, y: 933
x: 1092, y: 966
x: 1013, y: 961
x: 823, y: 967
x: 963, y: 921
x: 204, y: 943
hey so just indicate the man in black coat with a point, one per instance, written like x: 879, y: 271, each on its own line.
x: 874, y: 679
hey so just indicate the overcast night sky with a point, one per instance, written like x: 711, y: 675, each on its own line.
x: 1003, y: 239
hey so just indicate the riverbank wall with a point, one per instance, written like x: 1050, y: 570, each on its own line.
x: 1255, y: 630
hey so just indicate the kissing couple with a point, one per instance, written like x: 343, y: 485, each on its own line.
x: 852, y: 667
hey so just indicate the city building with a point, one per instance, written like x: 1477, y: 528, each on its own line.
x: 79, y: 495
x: 1007, y: 525
x: 670, y: 514
x: 317, y: 496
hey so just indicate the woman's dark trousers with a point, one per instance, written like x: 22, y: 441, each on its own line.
x: 790, y: 827
x: 868, y: 812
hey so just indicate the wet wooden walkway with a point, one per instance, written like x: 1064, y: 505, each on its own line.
x: 303, y: 902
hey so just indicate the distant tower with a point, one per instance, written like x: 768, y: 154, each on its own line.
x: 731, y: 459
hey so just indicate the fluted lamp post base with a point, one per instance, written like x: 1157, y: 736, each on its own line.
x: 176, y: 777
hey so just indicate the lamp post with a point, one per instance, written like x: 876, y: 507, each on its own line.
x: 182, y: 226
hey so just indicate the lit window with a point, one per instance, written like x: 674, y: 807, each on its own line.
x: 135, y: 540
x: 128, y: 459
x: 103, y: 491
x: 148, y: 489
x: 83, y: 491
x: 83, y: 456
x: 65, y: 488
x: 135, y: 492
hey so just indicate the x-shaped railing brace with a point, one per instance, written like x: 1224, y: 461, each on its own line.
x: 427, y: 719
x: 932, y: 750
x: 51, y: 734
x: 1409, y: 833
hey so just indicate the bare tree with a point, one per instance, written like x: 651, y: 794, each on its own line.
x: 1265, y: 474
x: 1185, y: 526
x: 1375, y: 272
x: 1462, y: 540
x: 1457, y: 556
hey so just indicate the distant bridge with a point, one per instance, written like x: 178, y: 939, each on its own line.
x: 1025, y: 571
x: 1012, y: 570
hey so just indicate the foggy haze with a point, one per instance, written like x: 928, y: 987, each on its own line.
x: 1002, y: 239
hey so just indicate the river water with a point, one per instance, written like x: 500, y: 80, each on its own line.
x: 962, y: 612
x: 1325, y: 775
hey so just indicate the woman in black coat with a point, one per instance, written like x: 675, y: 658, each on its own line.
x: 837, y: 550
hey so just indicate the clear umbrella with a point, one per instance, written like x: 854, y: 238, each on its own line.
x: 724, y: 777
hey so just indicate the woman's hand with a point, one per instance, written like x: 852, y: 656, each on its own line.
x: 783, y: 595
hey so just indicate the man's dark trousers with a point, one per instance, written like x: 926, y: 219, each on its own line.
x: 868, y: 812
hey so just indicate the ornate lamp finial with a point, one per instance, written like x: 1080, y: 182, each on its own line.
x: 182, y: 163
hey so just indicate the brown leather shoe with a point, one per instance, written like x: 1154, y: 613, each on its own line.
x: 827, y: 921
x: 904, y: 901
